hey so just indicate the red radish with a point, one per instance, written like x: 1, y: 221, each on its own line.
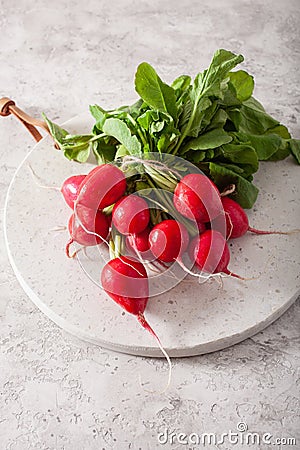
x: 237, y: 223
x: 131, y: 215
x: 139, y: 243
x: 202, y: 227
x: 197, y: 197
x: 236, y: 219
x: 210, y: 253
x: 168, y: 240
x: 103, y: 186
x: 70, y: 189
x: 125, y: 280
x: 191, y: 248
x: 87, y: 220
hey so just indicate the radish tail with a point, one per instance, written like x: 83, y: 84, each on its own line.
x: 146, y: 326
x: 231, y: 226
x: 231, y: 274
x: 37, y: 178
x: 200, y: 276
x: 254, y: 230
x: 69, y: 243
x: 59, y: 228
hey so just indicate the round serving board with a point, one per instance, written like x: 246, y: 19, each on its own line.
x: 191, y: 318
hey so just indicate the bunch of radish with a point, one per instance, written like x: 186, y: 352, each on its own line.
x: 104, y: 209
x: 102, y: 205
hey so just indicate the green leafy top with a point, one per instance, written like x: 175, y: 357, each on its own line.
x: 153, y: 91
x: 213, y: 121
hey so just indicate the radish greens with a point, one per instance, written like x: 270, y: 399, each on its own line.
x: 213, y: 122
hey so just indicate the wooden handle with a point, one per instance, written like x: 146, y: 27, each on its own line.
x: 8, y: 106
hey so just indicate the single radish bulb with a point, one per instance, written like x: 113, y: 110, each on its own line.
x: 93, y: 221
x: 197, y: 198
x: 131, y: 215
x: 70, y: 189
x: 168, y: 240
x: 103, y: 186
x: 237, y: 223
x: 210, y: 252
x: 139, y: 244
x: 125, y: 280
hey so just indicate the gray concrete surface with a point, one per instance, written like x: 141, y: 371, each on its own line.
x: 57, y: 392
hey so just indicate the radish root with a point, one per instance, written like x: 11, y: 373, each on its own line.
x: 235, y: 275
x: 231, y: 225
x: 146, y: 326
x: 59, y: 228
x: 67, y: 250
x: 230, y: 274
x: 37, y: 178
x: 200, y: 275
x: 255, y: 231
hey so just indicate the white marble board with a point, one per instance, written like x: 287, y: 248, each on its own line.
x: 190, y: 319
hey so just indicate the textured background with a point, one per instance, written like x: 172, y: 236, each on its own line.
x: 56, y: 392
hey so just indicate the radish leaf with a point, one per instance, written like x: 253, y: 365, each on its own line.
x: 243, y: 84
x: 153, y: 91
x: 120, y: 131
x: 56, y: 131
x: 212, y: 139
x: 245, y: 194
